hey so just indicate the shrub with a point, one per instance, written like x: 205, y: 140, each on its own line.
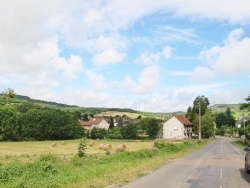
x: 82, y: 147
x: 98, y: 133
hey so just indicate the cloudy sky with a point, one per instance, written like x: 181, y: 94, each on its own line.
x: 146, y: 55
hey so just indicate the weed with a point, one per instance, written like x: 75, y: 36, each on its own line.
x: 82, y: 147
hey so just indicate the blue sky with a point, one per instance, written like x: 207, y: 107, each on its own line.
x: 146, y: 55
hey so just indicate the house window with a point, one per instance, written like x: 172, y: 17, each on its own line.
x: 170, y: 133
x: 175, y: 128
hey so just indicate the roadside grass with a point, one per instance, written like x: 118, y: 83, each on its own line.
x: 240, y: 143
x: 96, y: 170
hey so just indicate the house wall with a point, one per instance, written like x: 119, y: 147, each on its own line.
x: 103, y: 124
x: 173, y: 129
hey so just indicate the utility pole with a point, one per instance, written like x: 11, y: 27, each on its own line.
x: 199, y: 120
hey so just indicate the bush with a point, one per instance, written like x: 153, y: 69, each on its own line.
x: 98, y: 133
x: 129, y: 131
x: 115, y: 133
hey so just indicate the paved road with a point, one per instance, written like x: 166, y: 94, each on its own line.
x: 218, y: 165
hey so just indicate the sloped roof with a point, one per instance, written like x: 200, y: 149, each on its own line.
x: 242, y: 120
x: 92, y: 121
x: 183, y: 119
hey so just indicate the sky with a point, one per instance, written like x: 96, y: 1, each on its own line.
x: 154, y: 56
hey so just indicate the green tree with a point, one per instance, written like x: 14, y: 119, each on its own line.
x: 204, y: 103
x: 207, y: 126
x: 129, y: 131
x: 230, y: 118
x: 220, y: 119
x: 151, y: 126
x: 115, y: 133
x: 98, y: 133
x: 120, y: 123
x: 225, y: 119
x: 246, y: 105
x: 189, y: 112
x: 111, y: 125
x: 85, y: 117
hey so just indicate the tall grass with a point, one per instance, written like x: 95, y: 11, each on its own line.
x: 95, y: 170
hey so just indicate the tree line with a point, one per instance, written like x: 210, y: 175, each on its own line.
x: 28, y: 121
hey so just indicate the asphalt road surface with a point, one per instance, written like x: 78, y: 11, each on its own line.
x: 218, y: 165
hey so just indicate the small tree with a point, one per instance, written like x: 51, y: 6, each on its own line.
x: 82, y: 147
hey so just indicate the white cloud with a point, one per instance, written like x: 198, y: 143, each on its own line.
x: 109, y: 56
x: 180, y: 73
x: 202, y: 75
x: 171, y: 34
x: 167, y: 52
x: 148, y: 58
x: 80, y: 96
x: 97, y: 80
x: 40, y: 68
x: 148, y: 80
x: 233, y: 57
x: 230, y: 96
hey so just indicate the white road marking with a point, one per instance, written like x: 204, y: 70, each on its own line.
x: 221, y: 173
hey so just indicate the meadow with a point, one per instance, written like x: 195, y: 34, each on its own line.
x: 38, y: 164
x: 26, y: 151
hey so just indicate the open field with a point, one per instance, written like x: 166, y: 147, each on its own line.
x: 38, y: 164
x: 116, y: 113
x: 69, y: 148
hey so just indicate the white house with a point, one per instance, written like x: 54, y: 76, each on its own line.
x: 177, y: 127
x: 95, y: 123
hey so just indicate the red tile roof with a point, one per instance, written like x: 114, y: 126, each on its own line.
x: 94, y: 121
x: 183, y: 119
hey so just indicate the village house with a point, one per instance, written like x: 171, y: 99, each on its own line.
x: 177, y: 127
x: 242, y: 121
x: 94, y: 123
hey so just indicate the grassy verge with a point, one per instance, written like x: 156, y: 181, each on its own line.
x: 95, y: 170
x: 240, y: 144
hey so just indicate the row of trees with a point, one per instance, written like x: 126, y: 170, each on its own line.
x: 221, y: 123
x: 27, y: 121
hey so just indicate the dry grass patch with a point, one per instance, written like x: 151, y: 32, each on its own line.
x: 116, y: 113
x: 27, y: 151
